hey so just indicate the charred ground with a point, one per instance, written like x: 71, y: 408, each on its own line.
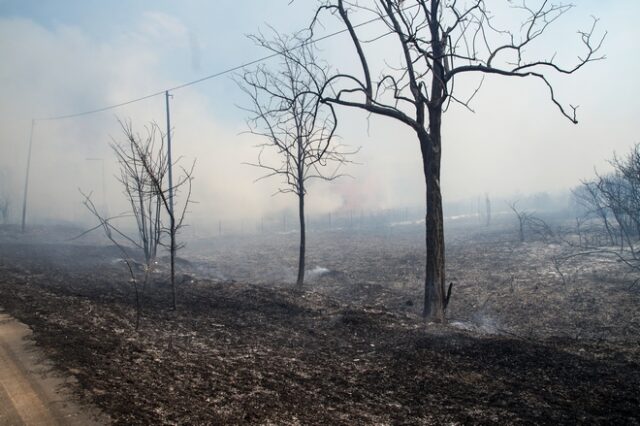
x: 526, y: 344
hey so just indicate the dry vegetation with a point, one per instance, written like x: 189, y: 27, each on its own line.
x: 530, y: 340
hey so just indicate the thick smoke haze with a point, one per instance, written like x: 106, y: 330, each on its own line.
x: 65, y: 58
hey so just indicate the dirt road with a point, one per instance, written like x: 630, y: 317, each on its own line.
x: 29, y: 393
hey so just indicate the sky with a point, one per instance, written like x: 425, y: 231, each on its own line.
x: 61, y: 57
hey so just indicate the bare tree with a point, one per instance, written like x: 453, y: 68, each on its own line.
x: 116, y: 237
x: 144, y: 170
x: 287, y: 112
x: 616, y: 195
x: 611, y: 207
x: 5, y: 199
x: 591, y: 199
x: 149, y: 159
x: 439, y: 42
x: 4, y: 208
x: 522, y: 217
x: 144, y: 200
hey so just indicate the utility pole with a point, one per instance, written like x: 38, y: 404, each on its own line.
x: 170, y: 163
x: 487, y: 204
x: 172, y: 217
x: 26, y: 179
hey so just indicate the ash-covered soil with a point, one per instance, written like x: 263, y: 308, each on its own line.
x: 499, y: 284
x: 526, y: 344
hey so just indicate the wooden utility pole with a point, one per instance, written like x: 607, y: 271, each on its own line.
x: 170, y: 163
x: 172, y: 217
x: 26, y: 179
x: 487, y: 204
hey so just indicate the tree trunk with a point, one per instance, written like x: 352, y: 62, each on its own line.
x: 612, y: 240
x: 302, y: 240
x: 173, y: 261
x: 435, y: 300
x: 138, y: 306
x: 434, y: 286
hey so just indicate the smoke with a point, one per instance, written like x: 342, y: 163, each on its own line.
x: 316, y: 273
x: 72, y: 72
x: 515, y: 142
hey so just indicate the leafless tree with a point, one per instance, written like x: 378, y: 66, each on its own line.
x: 146, y: 155
x: 592, y: 201
x: 117, y: 237
x: 286, y: 111
x: 5, y: 199
x: 144, y: 171
x: 616, y: 192
x: 616, y: 195
x: 522, y: 217
x: 625, y: 183
x: 440, y: 42
x: 612, y: 201
x: 4, y: 209
x: 144, y: 200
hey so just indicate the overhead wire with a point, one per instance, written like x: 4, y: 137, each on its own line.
x: 205, y: 78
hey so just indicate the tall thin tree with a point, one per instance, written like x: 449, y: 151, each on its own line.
x: 286, y: 111
x: 153, y: 161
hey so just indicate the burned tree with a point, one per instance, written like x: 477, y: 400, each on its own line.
x: 610, y: 206
x: 119, y: 239
x: 440, y: 42
x: 148, y: 157
x: 5, y: 199
x: 4, y: 208
x: 144, y: 200
x: 522, y: 217
x: 619, y: 196
x: 614, y: 198
x: 144, y: 170
x: 287, y: 112
x: 593, y: 202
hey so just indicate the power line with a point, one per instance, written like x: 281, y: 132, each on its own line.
x: 166, y: 93
x: 205, y: 78
x: 97, y: 110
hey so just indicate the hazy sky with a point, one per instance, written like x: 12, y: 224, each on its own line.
x: 61, y: 57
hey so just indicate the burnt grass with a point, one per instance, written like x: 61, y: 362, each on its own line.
x: 348, y: 349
